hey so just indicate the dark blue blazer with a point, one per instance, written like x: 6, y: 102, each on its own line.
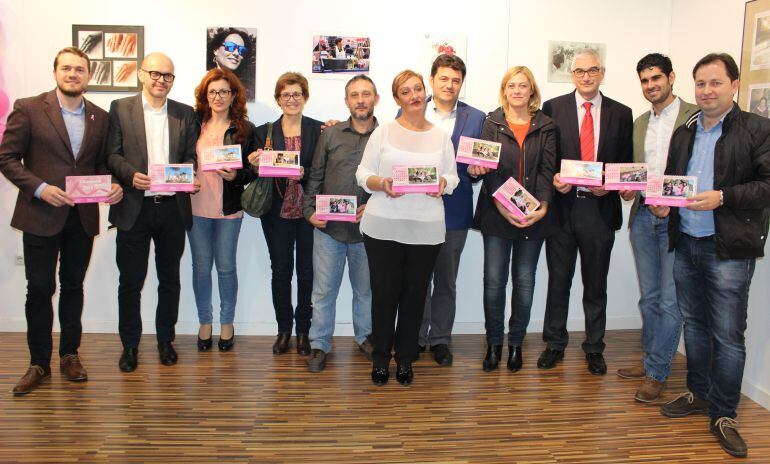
x: 458, y: 207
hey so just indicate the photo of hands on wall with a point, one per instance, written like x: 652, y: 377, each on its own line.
x: 115, y: 53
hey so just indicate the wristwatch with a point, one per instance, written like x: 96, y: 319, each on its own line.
x: 721, y: 198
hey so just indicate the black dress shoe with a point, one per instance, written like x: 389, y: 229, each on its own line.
x: 596, y: 363
x: 226, y: 344
x: 404, y: 373
x: 380, y: 376
x: 167, y: 353
x: 204, y: 345
x: 128, y: 359
x: 492, y: 359
x: 514, y: 358
x: 281, y: 344
x: 303, y: 345
x: 442, y: 354
x: 549, y: 358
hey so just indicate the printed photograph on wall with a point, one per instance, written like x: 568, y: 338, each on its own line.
x: 339, y: 54
x: 755, y: 58
x: 234, y: 48
x: 560, y: 54
x: 436, y: 44
x: 116, y: 53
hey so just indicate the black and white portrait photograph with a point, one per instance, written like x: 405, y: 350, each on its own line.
x: 234, y: 48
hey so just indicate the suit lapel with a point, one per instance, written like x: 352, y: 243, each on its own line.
x: 137, y: 117
x: 89, y: 127
x: 572, y: 126
x: 604, y: 122
x: 174, y: 125
x: 460, y: 120
x: 53, y: 112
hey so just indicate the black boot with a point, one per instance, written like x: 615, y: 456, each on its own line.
x: 514, y: 358
x: 492, y: 359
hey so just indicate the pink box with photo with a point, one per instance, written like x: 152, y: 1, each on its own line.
x: 625, y: 176
x: 670, y: 190
x: 88, y: 189
x: 415, y: 179
x: 279, y: 164
x: 586, y: 173
x: 226, y: 156
x: 172, y: 178
x: 336, y: 208
x: 516, y: 199
x: 478, y: 152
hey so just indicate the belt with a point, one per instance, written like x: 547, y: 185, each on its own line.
x: 159, y: 198
x: 699, y: 239
x: 583, y: 194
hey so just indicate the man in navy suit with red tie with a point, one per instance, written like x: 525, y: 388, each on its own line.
x: 591, y: 127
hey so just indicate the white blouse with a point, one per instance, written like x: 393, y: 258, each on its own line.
x: 414, y: 218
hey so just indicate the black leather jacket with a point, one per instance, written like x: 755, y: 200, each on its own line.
x: 742, y: 172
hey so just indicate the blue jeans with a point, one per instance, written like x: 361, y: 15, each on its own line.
x: 328, y: 266
x: 497, y: 256
x: 661, y: 319
x: 215, y: 241
x: 713, y: 296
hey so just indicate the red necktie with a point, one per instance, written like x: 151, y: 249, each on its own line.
x: 587, y: 135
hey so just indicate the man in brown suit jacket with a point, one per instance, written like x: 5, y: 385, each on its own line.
x: 48, y: 137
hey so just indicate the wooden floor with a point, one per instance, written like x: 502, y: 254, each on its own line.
x: 249, y: 406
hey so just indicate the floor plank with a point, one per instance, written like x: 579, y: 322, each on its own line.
x: 250, y: 406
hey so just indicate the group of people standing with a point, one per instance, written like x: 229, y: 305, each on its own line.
x: 403, y: 252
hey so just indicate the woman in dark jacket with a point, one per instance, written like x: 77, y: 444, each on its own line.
x: 528, y: 154
x: 284, y: 225
x: 220, y: 105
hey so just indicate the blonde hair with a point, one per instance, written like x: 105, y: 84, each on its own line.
x: 402, y: 77
x: 534, y: 99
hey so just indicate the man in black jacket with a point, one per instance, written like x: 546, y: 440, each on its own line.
x: 717, y: 239
x: 591, y: 127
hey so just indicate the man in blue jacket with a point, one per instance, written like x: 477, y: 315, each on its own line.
x: 458, y: 119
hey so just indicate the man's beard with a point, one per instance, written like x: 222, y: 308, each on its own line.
x: 71, y: 93
x: 368, y: 115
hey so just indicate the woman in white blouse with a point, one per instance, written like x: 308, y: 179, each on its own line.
x: 402, y: 232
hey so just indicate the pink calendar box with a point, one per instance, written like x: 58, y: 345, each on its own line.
x: 172, y: 178
x: 587, y: 173
x: 670, y: 190
x: 336, y: 208
x: 279, y: 164
x: 516, y: 199
x: 478, y: 152
x: 88, y: 189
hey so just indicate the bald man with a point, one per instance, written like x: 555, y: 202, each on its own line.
x: 144, y: 130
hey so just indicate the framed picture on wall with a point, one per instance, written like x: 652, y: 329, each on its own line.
x: 754, y: 90
x: 560, y: 54
x: 340, y: 54
x: 116, y: 52
x: 234, y: 48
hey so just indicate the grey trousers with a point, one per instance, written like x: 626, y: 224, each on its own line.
x: 441, y: 300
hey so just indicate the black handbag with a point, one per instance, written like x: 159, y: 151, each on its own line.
x: 258, y: 196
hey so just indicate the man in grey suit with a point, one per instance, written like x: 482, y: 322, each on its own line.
x: 49, y: 137
x: 149, y: 129
x: 661, y: 319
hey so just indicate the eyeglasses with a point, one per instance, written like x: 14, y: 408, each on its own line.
x: 232, y: 46
x: 286, y: 96
x: 221, y: 93
x: 155, y: 75
x: 592, y: 72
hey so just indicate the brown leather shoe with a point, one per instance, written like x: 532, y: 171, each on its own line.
x: 649, y: 390
x: 32, y: 379
x: 636, y: 372
x: 72, y: 369
x: 303, y: 345
x: 281, y: 343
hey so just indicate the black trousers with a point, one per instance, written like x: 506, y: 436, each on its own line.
x: 399, y: 276
x: 161, y: 224
x: 72, y: 249
x: 587, y: 233
x: 282, y: 235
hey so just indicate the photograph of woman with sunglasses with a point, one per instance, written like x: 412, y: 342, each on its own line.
x: 234, y: 49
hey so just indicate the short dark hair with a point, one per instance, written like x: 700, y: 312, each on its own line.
x: 291, y: 78
x: 448, y: 61
x: 360, y: 77
x: 732, y: 69
x: 74, y: 51
x: 655, y: 60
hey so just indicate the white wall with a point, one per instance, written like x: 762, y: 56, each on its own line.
x: 500, y: 34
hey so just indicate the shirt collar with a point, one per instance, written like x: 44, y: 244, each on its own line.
x: 668, y: 109
x: 81, y: 109
x: 147, y: 107
x: 433, y: 108
x: 719, y: 124
x: 596, y: 101
x: 348, y: 126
